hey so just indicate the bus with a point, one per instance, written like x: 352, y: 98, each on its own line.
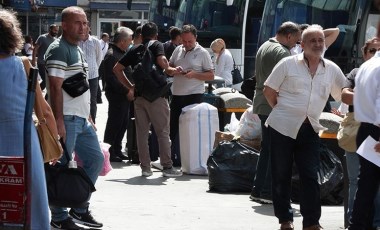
x: 236, y: 21
x: 246, y: 24
x: 356, y: 19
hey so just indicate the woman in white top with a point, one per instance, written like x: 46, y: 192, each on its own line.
x: 28, y: 46
x: 224, y: 62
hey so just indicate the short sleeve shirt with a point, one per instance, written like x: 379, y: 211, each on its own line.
x: 268, y: 55
x: 133, y: 55
x: 300, y: 95
x: 43, y: 41
x: 197, y: 59
x: 64, y: 60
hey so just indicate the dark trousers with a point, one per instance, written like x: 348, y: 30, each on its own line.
x: 262, y: 183
x: 304, y: 151
x: 176, y: 105
x: 117, y: 122
x: 41, y: 71
x: 368, y: 183
x: 94, y: 83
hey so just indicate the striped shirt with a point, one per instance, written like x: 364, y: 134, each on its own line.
x: 64, y: 60
x: 93, y: 55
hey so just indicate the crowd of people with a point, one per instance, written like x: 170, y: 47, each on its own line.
x: 294, y: 83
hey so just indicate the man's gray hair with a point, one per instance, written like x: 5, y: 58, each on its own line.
x: 122, y: 33
x: 311, y: 29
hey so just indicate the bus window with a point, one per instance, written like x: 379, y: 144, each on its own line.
x: 328, y: 14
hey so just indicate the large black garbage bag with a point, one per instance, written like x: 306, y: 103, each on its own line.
x: 330, y: 178
x: 232, y: 167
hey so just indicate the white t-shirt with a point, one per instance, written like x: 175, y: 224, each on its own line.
x: 197, y: 59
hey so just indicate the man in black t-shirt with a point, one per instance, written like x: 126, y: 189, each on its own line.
x: 175, y: 40
x: 157, y: 112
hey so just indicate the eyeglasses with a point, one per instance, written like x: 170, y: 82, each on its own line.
x: 373, y: 50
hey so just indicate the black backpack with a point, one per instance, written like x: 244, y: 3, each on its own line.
x: 150, y: 82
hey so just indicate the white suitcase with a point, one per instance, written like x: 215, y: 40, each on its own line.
x: 197, y: 126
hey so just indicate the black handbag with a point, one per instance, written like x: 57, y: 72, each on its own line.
x: 77, y: 84
x: 236, y: 75
x: 66, y: 186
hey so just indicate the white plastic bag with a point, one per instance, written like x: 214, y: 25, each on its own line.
x: 249, y: 126
x: 233, y: 125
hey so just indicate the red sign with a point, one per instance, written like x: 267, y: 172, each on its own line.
x: 12, y: 190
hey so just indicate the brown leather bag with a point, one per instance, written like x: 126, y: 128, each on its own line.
x: 46, y: 126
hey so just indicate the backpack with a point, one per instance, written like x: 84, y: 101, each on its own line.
x: 150, y: 82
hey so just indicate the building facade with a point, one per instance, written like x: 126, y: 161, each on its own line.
x: 104, y: 15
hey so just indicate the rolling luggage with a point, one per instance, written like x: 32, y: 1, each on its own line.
x: 197, y: 126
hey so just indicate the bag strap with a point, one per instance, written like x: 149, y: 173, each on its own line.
x: 68, y: 158
x: 41, y: 108
x: 39, y: 96
x: 81, y: 58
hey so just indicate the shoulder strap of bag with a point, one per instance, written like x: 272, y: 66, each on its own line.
x: 42, y: 109
x: 39, y: 96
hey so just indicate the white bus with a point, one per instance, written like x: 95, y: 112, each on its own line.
x: 246, y: 24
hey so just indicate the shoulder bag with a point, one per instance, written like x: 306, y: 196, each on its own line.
x: 68, y: 186
x: 77, y: 84
x: 45, y: 124
x: 347, y: 133
x: 236, y: 75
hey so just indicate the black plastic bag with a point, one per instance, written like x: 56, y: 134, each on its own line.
x: 232, y: 167
x: 330, y: 178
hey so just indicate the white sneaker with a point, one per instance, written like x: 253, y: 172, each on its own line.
x: 171, y: 172
x: 147, y: 173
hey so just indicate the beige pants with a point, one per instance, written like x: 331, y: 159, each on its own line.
x: 156, y: 113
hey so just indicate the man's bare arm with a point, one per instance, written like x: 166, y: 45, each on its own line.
x: 34, y: 55
x: 118, y: 70
x: 348, y: 96
x: 271, y: 95
x: 56, y: 102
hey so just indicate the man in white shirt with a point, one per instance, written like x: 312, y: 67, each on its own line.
x: 367, y: 107
x: 297, y: 90
x: 94, y: 56
x: 104, y: 43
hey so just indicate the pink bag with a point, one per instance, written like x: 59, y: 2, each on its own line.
x: 106, y: 165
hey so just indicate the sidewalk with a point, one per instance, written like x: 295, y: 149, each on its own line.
x: 125, y: 200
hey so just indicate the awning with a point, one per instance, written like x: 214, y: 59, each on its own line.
x: 118, y: 6
x: 59, y: 3
x: 23, y: 5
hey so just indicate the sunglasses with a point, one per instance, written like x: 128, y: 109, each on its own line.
x: 373, y: 50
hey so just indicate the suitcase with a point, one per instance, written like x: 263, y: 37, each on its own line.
x: 197, y: 126
x: 15, y: 180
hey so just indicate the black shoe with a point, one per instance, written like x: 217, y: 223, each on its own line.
x: 115, y: 159
x: 122, y: 156
x: 67, y: 224
x: 85, y: 219
x: 255, y: 196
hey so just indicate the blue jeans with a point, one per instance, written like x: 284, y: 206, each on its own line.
x: 353, y: 165
x: 81, y: 137
x: 304, y: 151
x: 262, y: 183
